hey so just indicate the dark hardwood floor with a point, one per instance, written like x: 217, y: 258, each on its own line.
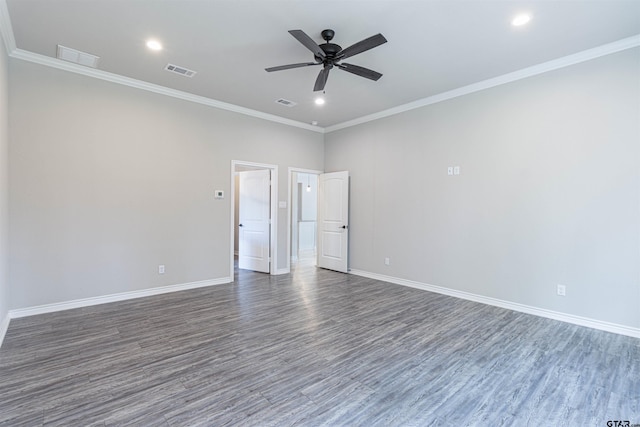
x: 312, y: 348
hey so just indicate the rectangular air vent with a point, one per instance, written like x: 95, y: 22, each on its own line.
x: 285, y: 102
x: 77, y: 57
x: 180, y: 70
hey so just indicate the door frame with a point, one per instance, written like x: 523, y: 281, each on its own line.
x: 273, y: 229
x: 291, y: 170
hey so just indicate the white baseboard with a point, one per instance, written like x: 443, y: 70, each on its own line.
x: 282, y: 271
x: 86, y: 302
x: 550, y: 314
x: 4, y: 326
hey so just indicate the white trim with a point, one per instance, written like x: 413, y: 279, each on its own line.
x: 150, y: 87
x: 536, y: 311
x: 586, y: 55
x: 87, y: 302
x: 290, y: 172
x: 283, y: 271
x: 4, y: 326
x: 273, y: 264
x: 6, y: 30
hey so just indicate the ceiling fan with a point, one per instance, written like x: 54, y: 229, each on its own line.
x: 329, y: 55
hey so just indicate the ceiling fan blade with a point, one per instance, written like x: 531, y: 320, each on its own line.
x: 321, y: 81
x: 362, y: 46
x: 308, y: 42
x: 287, y: 67
x: 360, y: 71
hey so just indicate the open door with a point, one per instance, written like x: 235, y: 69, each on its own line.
x: 333, y: 221
x: 254, y: 209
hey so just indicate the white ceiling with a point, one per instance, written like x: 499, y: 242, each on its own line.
x: 433, y: 46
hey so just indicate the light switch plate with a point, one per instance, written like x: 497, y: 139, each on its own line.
x: 219, y: 194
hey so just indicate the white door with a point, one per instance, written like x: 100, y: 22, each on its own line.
x: 254, y: 209
x: 333, y: 224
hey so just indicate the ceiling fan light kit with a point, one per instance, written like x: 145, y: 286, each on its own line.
x: 330, y: 55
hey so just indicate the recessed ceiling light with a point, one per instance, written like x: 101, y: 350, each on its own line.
x: 314, y: 123
x: 319, y: 101
x: 521, y: 19
x: 154, y: 45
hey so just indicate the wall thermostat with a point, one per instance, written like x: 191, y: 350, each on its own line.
x: 219, y: 194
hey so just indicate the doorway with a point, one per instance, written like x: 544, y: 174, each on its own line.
x: 302, y: 216
x: 260, y: 237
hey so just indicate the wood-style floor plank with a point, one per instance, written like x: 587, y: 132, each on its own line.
x: 312, y: 348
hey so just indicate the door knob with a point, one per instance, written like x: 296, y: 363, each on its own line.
x: 239, y: 225
x: 344, y: 226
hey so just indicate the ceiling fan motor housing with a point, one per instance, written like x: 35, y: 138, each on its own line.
x: 330, y: 50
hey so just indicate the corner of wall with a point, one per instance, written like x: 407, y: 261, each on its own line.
x: 6, y: 34
x: 4, y: 326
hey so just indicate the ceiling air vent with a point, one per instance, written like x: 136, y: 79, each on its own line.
x: 285, y: 102
x: 77, y: 57
x: 180, y: 70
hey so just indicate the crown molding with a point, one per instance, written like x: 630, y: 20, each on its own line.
x: 6, y: 30
x: 150, y: 87
x: 586, y: 55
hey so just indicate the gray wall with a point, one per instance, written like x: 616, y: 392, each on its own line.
x: 107, y: 182
x: 4, y: 189
x: 549, y: 191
